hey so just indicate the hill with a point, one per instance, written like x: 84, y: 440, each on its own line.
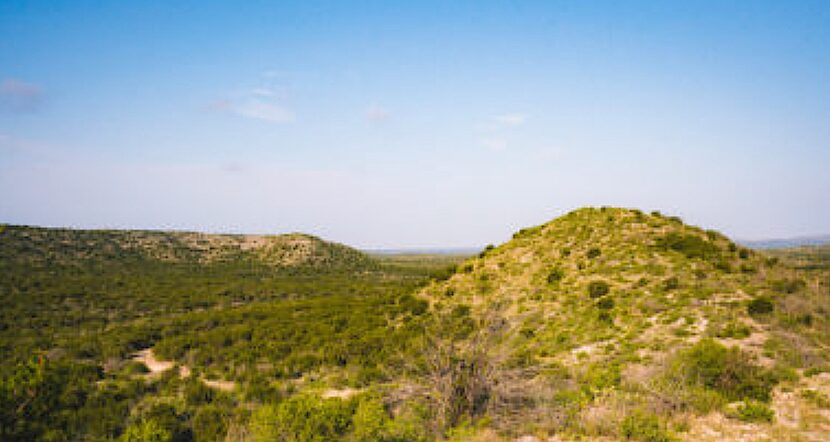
x: 61, y: 247
x: 615, y: 324
x: 604, y: 324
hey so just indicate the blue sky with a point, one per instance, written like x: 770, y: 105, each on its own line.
x: 413, y: 124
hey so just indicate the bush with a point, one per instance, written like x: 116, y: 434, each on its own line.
x: 788, y: 285
x: 593, y: 253
x: 209, y: 424
x: 734, y: 329
x: 760, y: 306
x: 146, y: 431
x: 597, y: 289
x: 728, y: 371
x: 197, y: 393
x: 303, y: 418
x: 605, y: 304
x: 671, y: 283
x: 644, y: 426
x: 555, y: 276
x: 369, y: 420
x: 690, y: 245
x: 752, y: 411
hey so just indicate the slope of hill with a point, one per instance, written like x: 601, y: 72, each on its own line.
x: 604, y: 324
x: 614, y: 324
x: 56, y: 247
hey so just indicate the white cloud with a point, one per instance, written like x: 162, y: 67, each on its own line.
x: 376, y: 113
x: 510, y: 119
x: 262, y: 110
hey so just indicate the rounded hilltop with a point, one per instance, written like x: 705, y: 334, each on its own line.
x: 42, y: 246
x: 629, y: 322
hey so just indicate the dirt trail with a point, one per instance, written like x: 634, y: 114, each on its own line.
x: 155, y: 366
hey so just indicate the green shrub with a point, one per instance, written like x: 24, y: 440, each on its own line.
x: 593, y: 252
x: 728, y: 371
x: 370, y: 420
x: 197, y: 393
x: 146, y: 431
x: 760, y: 306
x: 644, y: 426
x: 605, y: 304
x: 690, y: 245
x: 303, y: 418
x: 817, y: 398
x: 752, y: 411
x: 209, y: 424
x: 734, y: 329
x: 555, y: 275
x: 597, y: 289
x: 671, y: 283
x: 788, y: 285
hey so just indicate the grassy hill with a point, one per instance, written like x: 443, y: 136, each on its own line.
x: 604, y: 324
x: 69, y: 247
x: 615, y: 324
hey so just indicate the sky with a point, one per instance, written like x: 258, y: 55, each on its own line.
x: 413, y: 124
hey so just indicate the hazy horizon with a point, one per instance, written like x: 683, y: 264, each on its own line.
x: 435, y: 124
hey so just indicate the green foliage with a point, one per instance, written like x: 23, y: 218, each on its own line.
x: 555, y: 275
x: 671, y: 283
x: 605, y: 304
x: 209, y: 424
x: 692, y: 246
x: 760, y: 306
x: 818, y: 398
x: 303, y: 418
x: 146, y: 431
x: 593, y: 252
x: 486, y: 250
x: 752, y: 411
x: 597, y: 289
x: 728, y: 371
x: 644, y: 426
x: 735, y: 330
x: 197, y: 393
x: 788, y: 285
x: 370, y: 420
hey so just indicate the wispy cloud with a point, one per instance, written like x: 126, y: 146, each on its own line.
x: 510, y: 119
x: 377, y: 113
x: 262, y: 103
x: 18, y: 96
x: 262, y: 110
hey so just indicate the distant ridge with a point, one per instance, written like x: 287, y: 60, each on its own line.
x: 785, y: 243
x: 59, y: 246
x: 459, y: 251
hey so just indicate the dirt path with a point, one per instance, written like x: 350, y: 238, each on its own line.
x: 155, y: 366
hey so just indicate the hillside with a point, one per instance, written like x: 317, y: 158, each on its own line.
x: 59, y: 247
x: 615, y: 324
x: 601, y: 325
